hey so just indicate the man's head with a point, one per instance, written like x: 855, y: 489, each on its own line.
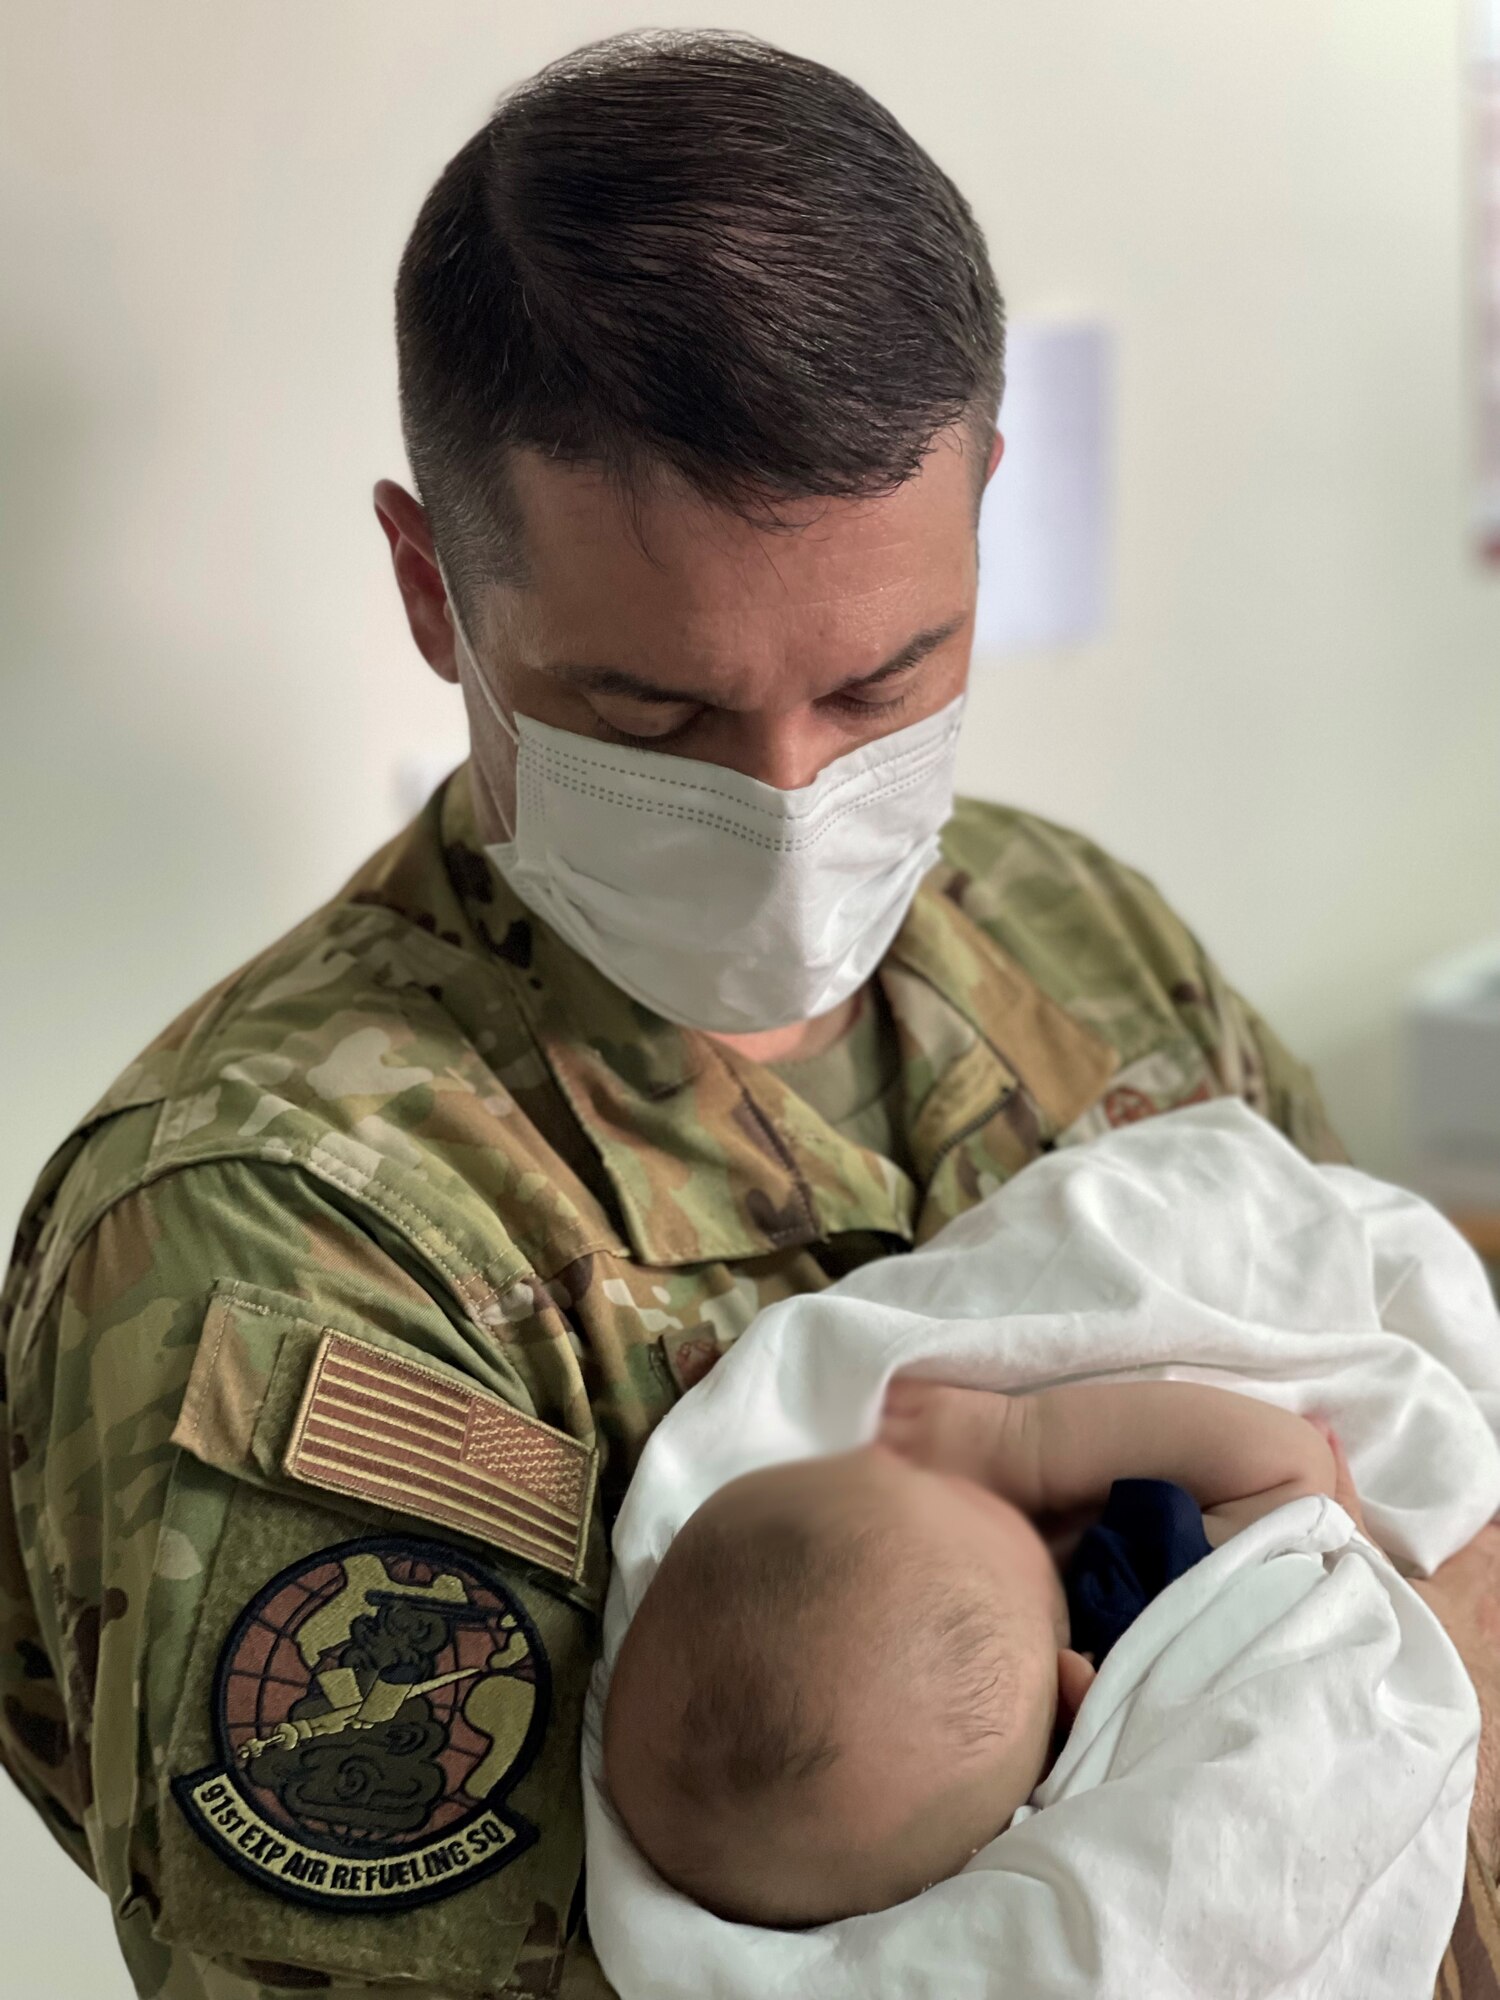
x: 842, y: 1681
x: 700, y: 360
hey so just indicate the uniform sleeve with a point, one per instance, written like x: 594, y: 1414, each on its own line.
x: 290, y: 1647
x: 1100, y: 938
x: 1255, y: 1063
x: 1176, y: 979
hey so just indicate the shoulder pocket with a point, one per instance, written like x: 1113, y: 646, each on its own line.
x: 284, y: 1397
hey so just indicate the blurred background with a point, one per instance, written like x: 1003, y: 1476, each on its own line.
x: 1285, y: 706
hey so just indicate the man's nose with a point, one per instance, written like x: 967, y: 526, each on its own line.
x: 787, y: 750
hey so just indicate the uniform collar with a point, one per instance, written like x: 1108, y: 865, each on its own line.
x: 710, y: 1156
x: 1063, y: 1064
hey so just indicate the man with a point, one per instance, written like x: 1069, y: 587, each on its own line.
x: 335, y: 1331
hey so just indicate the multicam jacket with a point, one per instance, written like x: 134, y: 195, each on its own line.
x: 334, y: 1332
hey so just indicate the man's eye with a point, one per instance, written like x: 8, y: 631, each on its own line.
x: 870, y: 704
x: 634, y: 738
x: 877, y: 698
x: 649, y: 737
x: 638, y: 723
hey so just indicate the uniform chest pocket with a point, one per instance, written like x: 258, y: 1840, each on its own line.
x: 380, y: 1708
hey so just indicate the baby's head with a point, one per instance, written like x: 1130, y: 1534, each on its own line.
x: 840, y: 1684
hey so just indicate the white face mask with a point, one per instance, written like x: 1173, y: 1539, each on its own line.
x: 716, y: 900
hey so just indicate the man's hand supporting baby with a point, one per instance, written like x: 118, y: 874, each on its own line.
x: 1057, y: 1451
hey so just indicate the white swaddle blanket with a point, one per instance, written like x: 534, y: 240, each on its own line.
x: 1266, y: 1788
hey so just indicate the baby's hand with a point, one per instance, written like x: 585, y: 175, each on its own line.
x: 948, y: 1430
x: 1344, y: 1490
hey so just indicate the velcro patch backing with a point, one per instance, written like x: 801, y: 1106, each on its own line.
x: 402, y: 1436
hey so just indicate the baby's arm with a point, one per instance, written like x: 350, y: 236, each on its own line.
x: 1222, y: 1447
x: 1061, y: 1449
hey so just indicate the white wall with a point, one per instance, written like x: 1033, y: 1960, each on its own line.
x: 1293, y: 723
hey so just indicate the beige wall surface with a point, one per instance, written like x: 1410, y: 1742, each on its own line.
x: 1292, y: 721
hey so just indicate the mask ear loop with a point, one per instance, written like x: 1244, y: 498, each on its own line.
x: 468, y: 660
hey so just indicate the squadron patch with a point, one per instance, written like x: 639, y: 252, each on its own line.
x: 373, y: 1707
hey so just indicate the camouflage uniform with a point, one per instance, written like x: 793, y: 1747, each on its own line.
x: 334, y: 1333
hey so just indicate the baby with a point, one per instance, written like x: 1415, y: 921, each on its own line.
x: 849, y: 1671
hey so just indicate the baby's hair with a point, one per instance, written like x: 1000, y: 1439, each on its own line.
x: 714, y: 1680
x: 748, y: 1726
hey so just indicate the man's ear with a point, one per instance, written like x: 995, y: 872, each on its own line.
x: 997, y: 452
x: 414, y: 560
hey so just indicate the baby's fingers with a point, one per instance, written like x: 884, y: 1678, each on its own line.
x: 940, y: 1427
x: 905, y: 1396
x: 1344, y: 1490
x: 902, y: 1413
x: 899, y: 1395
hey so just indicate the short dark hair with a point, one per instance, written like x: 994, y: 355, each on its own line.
x: 691, y: 250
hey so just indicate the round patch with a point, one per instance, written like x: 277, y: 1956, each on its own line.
x: 372, y: 1707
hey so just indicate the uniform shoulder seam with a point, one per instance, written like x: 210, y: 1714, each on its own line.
x: 1004, y: 822
x: 430, y: 1243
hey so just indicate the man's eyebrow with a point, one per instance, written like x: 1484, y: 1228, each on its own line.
x: 916, y: 648
x: 616, y: 681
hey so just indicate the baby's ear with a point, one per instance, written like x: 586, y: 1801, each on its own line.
x: 1075, y: 1676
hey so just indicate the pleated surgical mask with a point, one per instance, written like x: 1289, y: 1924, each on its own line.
x: 716, y: 900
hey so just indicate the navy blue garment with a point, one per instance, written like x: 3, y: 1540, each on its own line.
x: 1149, y: 1533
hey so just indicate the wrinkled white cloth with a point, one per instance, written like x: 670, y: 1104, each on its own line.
x: 1265, y: 1791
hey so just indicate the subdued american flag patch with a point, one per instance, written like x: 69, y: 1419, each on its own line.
x: 403, y: 1436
